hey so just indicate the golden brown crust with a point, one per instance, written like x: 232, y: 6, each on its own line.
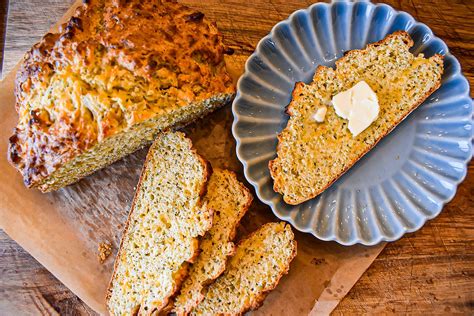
x: 277, y: 184
x: 94, y: 78
x: 182, y: 273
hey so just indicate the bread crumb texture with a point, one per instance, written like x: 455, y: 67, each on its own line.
x: 104, y: 251
x: 230, y: 200
x: 160, y: 238
x: 114, y: 76
x: 312, y: 155
x: 254, y: 270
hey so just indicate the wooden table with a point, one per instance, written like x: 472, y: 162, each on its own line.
x: 428, y: 272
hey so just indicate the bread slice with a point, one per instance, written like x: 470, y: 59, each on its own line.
x: 255, y: 269
x: 117, y: 74
x: 229, y: 199
x: 312, y: 155
x: 167, y: 215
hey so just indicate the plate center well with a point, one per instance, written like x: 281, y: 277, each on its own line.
x: 381, y: 162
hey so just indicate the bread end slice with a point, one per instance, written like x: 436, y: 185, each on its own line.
x: 259, y: 262
x: 160, y: 237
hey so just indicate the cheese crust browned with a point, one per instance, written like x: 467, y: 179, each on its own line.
x: 116, y: 64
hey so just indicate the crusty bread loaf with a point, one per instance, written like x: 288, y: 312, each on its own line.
x: 115, y: 75
x: 254, y: 270
x: 312, y: 155
x: 160, y: 237
x: 229, y: 199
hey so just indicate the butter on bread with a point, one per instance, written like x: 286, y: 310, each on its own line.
x: 114, y: 76
x: 160, y: 238
x: 230, y: 200
x: 259, y: 262
x: 312, y: 155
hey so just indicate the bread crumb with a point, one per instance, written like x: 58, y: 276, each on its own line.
x: 105, y: 250
x: 320, y: 114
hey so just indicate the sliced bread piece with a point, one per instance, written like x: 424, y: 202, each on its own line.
x: 160, y: 237
x: 229, y: 199
x: 255, y: 269
x: 312, y: 155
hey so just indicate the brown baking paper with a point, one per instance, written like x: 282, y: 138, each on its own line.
x: 63, y: 229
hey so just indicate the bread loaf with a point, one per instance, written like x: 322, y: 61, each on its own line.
x: 160, y: 237
x: 256, y: 268
x: 114, y: 76
x: 312, y: 155
x: 229, y: 199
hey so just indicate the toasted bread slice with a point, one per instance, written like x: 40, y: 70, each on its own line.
x: 312, y: 155
x: 160, y: 237
x: 255, y: 269
x: 229, y: 199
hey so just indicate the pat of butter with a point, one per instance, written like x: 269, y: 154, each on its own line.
x: 320, y: 114
x: 359, y: 105
x: 342, y: 103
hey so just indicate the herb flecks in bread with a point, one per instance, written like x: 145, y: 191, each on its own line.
x: 118, y: 73
x: 259, y: 262
x: 230, y: 200
x: 160, y: 238
x: 312, y: 155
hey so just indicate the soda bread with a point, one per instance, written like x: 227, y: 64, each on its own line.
x: 167, y: 215
x: 312, y: 155
x: 255, y: 269
x: 114, y: 76
x: 229, y: 199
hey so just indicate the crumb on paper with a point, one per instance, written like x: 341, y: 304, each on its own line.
x: 105, y: 249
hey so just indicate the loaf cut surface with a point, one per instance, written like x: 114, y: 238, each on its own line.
x: 255, y: 269
x: 312, y: 155
x: 229, y: 199
x: 160, y: 238
x: 114, y: 76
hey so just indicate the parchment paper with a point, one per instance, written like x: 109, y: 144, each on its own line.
x: 62, y: 229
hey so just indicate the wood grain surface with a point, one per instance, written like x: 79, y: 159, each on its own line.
x: 428, y: 272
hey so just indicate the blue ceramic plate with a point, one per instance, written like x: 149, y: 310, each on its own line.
x: 410, y: 174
